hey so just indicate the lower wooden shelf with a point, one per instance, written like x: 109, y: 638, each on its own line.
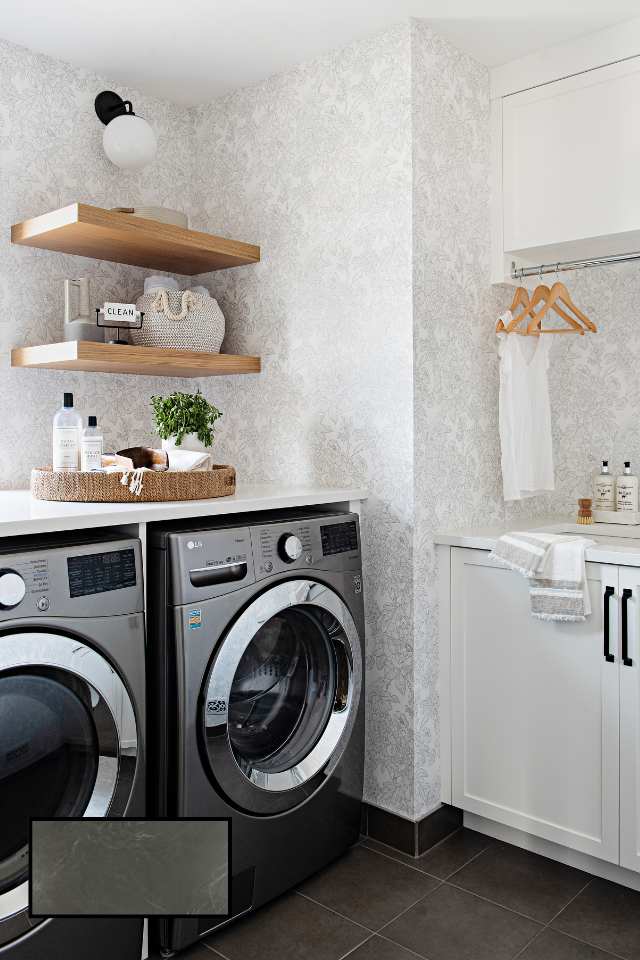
x: 120, y: 358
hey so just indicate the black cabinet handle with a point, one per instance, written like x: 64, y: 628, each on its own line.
x: 608, y: 593
x: 626, y: 595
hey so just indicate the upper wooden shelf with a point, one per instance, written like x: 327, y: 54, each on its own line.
x: 88, y: 231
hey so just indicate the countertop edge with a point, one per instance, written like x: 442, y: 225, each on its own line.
x: 21, y: 515
x: 614, y: 551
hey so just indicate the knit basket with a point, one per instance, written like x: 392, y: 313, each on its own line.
x: 220, y: 481
x: 181, y: 320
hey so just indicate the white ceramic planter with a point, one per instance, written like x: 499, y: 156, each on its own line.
x: 189, y: 442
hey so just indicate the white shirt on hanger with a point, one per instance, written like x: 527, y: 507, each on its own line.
x: 525, y: 415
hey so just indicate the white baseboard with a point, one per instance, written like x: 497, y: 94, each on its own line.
x: 582, y: 861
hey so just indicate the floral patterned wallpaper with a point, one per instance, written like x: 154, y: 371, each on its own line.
x: 364, y: 176
x: 51, y: 155
x: 457, y: 456
x: 315, y: 164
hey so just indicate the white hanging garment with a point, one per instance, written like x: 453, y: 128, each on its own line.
x: 525, y: 416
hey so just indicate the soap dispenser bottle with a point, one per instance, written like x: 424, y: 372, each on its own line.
x: 604, y: 489
x: 91, y: 447
x: 67, y: 424
x: 627, y: 490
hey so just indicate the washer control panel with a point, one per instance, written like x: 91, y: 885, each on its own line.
x: 83, y: 579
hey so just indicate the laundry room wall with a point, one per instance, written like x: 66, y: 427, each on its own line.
x: 51, y: 155
x: 315, y: 164
x: 457, y: 455
x: 594, y: 389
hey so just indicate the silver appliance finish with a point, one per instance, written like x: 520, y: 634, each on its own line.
x: 97, y: 640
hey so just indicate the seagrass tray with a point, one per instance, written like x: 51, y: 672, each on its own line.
x: 220, y: 481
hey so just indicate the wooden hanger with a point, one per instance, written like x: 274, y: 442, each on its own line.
x: 557, y: 299
x: 520, y: 299
x: 560, y: 293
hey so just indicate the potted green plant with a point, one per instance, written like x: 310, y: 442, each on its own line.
x: 185, y: 420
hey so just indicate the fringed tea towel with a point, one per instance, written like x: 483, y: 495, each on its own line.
x: 556, y: 569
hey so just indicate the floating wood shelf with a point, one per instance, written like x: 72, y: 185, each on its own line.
x: 88, y: 231
x: 118, y: 358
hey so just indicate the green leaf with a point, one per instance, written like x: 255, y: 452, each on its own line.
x: 183, y: 413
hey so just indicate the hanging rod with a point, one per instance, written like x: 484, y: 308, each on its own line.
x: 519, y: 273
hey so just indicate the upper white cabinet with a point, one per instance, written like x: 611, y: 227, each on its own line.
x: 566, y: 160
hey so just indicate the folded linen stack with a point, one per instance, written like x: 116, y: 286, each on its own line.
x: 556, y: 568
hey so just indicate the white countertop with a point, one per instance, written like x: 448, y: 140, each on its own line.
x: 615, y: 543
x: 21, y: 514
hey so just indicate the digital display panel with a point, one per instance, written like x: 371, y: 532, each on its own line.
x: 339, y: 538
x: 100, y: 572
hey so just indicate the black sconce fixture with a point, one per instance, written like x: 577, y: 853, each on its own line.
x: 128, y: 140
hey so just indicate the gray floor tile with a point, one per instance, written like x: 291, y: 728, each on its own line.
x: 521, y: 881
x: 292, y: 928
x: 607, y: 916
x: 451, y: 924
x: 378, y: 949
x: 368, y: 888
x: 551, y: 945
x: 442, y: 860
x: 453, y: 853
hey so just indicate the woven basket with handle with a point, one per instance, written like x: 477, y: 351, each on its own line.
x: 181, y: 320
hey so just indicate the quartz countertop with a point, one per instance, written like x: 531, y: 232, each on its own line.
x: 615, y: 543
x: 21, y: 514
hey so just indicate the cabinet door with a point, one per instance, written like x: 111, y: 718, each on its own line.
x: 630, y: 718
x: 571, y: 152
x: 535, y: 708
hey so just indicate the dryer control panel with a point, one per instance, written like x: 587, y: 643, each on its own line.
x: 320, y: 543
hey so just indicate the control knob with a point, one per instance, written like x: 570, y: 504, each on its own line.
x: 290, y: 547
x: 12, y: 589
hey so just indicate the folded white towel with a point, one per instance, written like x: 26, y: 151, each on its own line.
x: 160, y: 283
x: 188, y: 460
x: 556, y: 568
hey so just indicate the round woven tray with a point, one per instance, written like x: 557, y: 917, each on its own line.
x: 220, y: 481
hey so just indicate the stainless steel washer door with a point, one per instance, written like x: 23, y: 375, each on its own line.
x: 281, y: 696
x: 62, y: 712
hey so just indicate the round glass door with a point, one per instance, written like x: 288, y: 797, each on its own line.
x: 281, y: 696
x: 48, y: 760
x: 62, y: 712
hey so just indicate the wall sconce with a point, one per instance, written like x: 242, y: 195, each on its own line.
x: 128, y: 140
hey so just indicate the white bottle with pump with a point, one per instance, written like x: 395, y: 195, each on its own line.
x: 627, y: 490
x: 67, y: 424
x: 604, y: 489
x: 91, y: 447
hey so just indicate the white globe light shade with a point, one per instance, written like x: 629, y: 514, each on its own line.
x: 129, y: 142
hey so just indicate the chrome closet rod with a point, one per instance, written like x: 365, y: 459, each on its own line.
x: 518, y: 273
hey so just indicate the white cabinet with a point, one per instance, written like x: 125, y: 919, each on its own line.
x: 535, y: 710
x: 567, y: 155
x: 629, y: 588
x: 545, y: 717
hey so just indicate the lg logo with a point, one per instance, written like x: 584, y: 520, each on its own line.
x: 194, y: 545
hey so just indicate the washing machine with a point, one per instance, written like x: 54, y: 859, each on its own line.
x: 256, y: 646
x: 72, y: 720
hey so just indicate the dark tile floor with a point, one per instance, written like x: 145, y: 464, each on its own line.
x: 469, y: 898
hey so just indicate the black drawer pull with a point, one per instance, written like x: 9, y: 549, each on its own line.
x: 626, y: 596
x: 608, y: 593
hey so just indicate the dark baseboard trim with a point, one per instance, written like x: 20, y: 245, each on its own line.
x: 409, y: 836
